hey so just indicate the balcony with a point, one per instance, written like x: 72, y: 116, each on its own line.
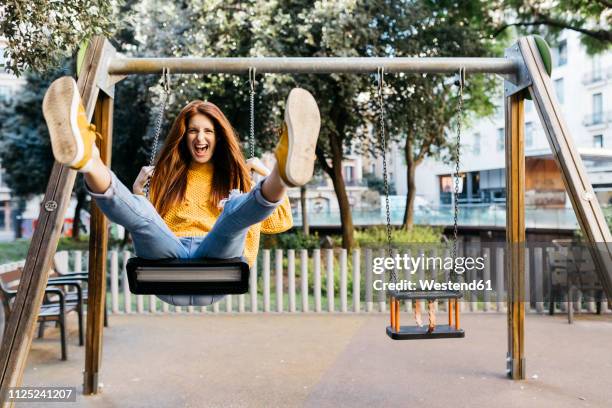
x: 597, y: 118
x: 596, y: 76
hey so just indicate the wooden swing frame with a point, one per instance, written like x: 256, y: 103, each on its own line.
x: 523, y: 69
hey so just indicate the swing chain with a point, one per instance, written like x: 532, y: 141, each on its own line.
x: 165, y: 83
x: 383, y: 147
x: 460, y: 83
x: 252, y: 84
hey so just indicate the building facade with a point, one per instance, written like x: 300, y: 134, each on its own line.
x: 583, y: 86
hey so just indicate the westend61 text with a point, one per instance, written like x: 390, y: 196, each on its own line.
x: 409, y: 263
x: 405, y: 285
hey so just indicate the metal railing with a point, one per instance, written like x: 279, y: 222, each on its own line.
x: 596, y: 76
x: 478, y: 215
x: 597, y: 118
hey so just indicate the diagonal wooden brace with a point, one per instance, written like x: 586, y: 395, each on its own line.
x: 583, y: 198
x: 21, y: 324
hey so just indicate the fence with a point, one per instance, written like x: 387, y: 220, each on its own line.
x: 324, y: 281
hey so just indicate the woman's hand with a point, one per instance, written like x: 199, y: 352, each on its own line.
x: 255, y: 165
x: 145, y: 175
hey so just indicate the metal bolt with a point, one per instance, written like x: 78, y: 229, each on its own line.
x: 51, y: 206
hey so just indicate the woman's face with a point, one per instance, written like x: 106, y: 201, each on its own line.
x: 201, y: 138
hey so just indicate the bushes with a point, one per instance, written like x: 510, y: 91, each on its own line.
x: 290, y: 240
x: 376, y: 236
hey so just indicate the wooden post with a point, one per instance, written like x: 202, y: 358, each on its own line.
x: 304, y: 278
x: 114, y: 282
x: 21, y: 324
x: 278, y: 268
x: 515, y: 234
x: 291, y: 278
x: 253, y: 288
x: 356, y: 280
x: 266, y: 280
x: 343, y: 281
x: 316, y: 266
x: 369, y: 296
x: 329, y: 263
x: 127, y: 295
x: 103, y: 119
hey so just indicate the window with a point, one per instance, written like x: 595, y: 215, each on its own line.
x: 500, y: 139
x: 373, y: 168
x: 598, y: 141
x: 560, y: 57
x: 529, y: 134
x: 596, y: 65
x: 348, y: 173
x: 528, y: 106
x: 477, y: 144
x: 597, y: 108
x: 559, y: 90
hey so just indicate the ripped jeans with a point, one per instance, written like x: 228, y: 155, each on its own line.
x: 154, y: 240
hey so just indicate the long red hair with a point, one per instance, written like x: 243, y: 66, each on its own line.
x: 169, y: 180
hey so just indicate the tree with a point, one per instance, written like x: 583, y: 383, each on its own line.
x: 40, y: 34
x: 302, y: 29
x: 591, y: 18
x: 421, y: 109
x: 26, y: 151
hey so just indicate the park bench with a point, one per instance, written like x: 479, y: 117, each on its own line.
x: 59, y: 272
x: 572, y: 270
x: 55, y: 306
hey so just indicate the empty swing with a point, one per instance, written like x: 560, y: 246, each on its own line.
x: 205, y: 276
x: 395, y: 331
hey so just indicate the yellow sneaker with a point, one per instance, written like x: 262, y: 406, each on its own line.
x: 72, y: 136
x: 295, y: 152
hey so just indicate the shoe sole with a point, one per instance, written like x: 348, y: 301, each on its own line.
x: 303, y: 124
x: 60, y: 107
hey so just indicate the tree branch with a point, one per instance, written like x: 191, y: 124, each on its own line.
x: 601, y: 35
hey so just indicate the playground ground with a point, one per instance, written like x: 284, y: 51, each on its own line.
x: 331, y: 361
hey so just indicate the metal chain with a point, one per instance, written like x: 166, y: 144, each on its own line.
x: 165, y: 82
x: 383, y: 146
x: 457, y: 164
x: 252, y: 111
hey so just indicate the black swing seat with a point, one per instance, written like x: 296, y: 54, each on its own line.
x: 204, y: 276
x: 443, y: 331
x: 426, y: 294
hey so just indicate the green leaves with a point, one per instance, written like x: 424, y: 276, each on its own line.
x: 41, y: 33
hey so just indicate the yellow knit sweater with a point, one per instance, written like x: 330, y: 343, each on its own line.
x: 195, y: 216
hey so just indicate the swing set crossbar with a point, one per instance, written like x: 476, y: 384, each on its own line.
x: 313, y: 65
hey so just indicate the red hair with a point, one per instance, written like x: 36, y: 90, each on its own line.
x: 169, y: 180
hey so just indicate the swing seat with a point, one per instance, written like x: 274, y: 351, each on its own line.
x: 427, y: 294
x: 205, y: 276
x: 443, y: 331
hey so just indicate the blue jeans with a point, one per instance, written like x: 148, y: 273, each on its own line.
x: 154, y: 240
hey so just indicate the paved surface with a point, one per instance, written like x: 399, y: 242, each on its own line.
x: 331, y: 361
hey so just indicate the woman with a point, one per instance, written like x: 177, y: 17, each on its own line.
x: 203, y: 202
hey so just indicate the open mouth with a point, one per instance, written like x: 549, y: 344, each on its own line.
x: 201, y: 148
